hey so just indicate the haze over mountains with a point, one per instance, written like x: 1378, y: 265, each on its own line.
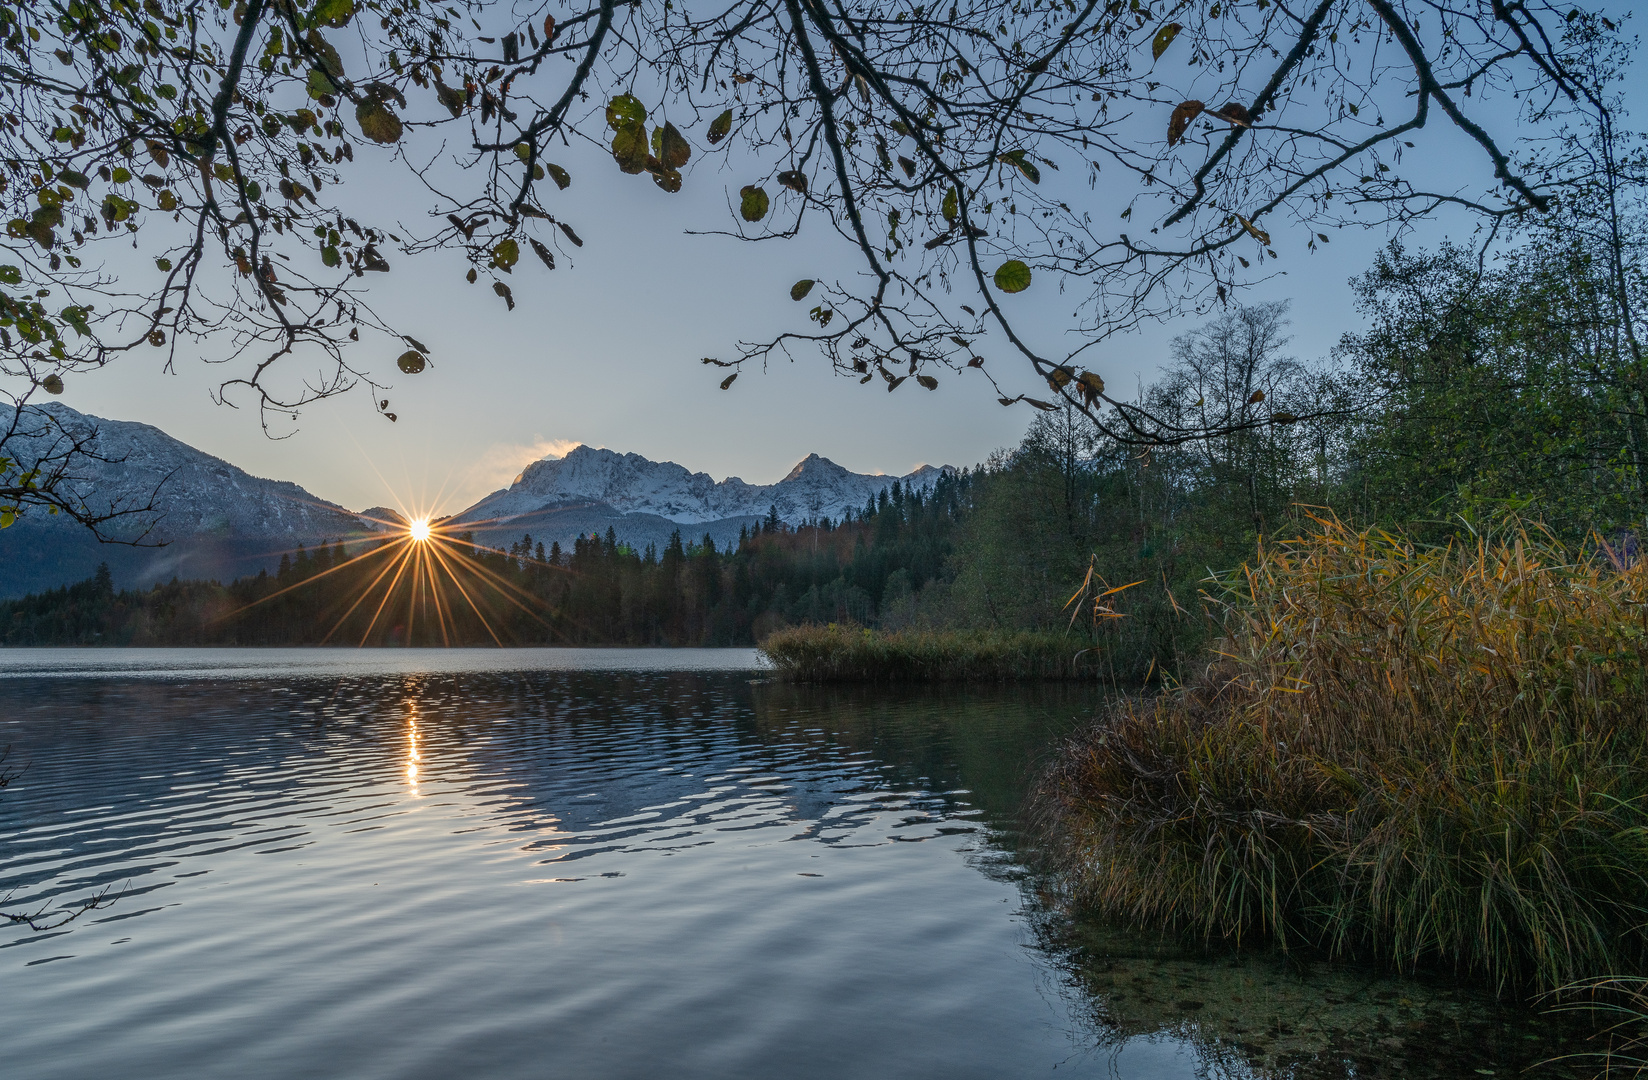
x: 221, y: 522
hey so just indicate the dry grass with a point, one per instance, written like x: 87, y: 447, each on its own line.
x: 852, y: 654
x: 1426, y: 756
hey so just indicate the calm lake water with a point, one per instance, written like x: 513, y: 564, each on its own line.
x: 603, y: 863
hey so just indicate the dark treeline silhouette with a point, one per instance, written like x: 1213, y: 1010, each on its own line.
x: 601, y: 592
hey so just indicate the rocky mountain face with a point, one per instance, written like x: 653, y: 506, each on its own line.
x: 218, y: 521
x: 631, y: 484
x: 221, y: 522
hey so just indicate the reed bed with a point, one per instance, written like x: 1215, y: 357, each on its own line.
x: 1427, y: 756
x: 836, y: 653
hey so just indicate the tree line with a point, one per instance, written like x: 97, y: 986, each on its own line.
x: 600, y: 592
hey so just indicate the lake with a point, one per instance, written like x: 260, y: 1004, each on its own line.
x: 605, y: 863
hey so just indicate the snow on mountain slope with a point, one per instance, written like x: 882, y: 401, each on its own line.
x: 199, y: 493
x: 218, y: 521
x: 632, y: 484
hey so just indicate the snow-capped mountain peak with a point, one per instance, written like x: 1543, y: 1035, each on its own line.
x: 632, y: 484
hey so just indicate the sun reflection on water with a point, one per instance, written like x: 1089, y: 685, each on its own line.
x: 414, y: 756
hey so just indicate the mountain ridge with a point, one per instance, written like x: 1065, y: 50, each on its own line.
x: 632, y: 484
x: 220, y: 522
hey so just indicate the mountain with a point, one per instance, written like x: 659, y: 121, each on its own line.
x: 643, y: 501
x: 218, y: 521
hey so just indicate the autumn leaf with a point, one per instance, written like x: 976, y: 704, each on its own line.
x: 1183, y: 114
x: 753, y: 203
x: 506, y: 255
x: 503, y: 290
x: 562, y: 178
x: 1017, y: 159
x: 1256, y: 397
x: 674, y: 148
x: 1254, y: 231
x: 452, y: 99
x: 570, y: 235
x: 629, y: 147
x: 543, y: 253
x: 411, y: 362
x: 800, y: 289
x: 794, y: 179
x: 1164, y: 37
x: 377, y: 122
x: 928, y: 381
x: 728, y: 380
x: 720, y: 127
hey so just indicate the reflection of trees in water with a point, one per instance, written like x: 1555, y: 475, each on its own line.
x: 984, y: 745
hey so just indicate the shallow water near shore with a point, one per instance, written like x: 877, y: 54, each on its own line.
x: 606, y: 863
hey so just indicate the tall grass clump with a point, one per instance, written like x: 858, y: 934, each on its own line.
x: 1428, y: 756
x: 836, y: 653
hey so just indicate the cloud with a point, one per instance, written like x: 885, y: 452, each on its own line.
x: 502, y: 463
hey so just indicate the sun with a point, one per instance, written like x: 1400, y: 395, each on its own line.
x: 418, y: 530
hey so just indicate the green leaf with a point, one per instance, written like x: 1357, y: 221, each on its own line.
x: 952, y: 206
x: 561, y: 177
x: 800, y: 289
x: 11, y: 275
x: 377, y: 122
x: 1012, y: 276
x: 720, y: 127
x: 753, y: 203
x: 1164, y: 37
x: 8, y: 516
x: 1017, y: 159
x: 624, y: 110
x: 334, y: 13
x: 329, y: 59
x: 52, y: 384
x: 320, y: 84
x: 675, y: 150
x: 629, y: 147
x: 412, y: 361
x: 330, y: 255
x: 506, y: 255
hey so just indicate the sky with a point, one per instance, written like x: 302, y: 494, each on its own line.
x: 606, y: 351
